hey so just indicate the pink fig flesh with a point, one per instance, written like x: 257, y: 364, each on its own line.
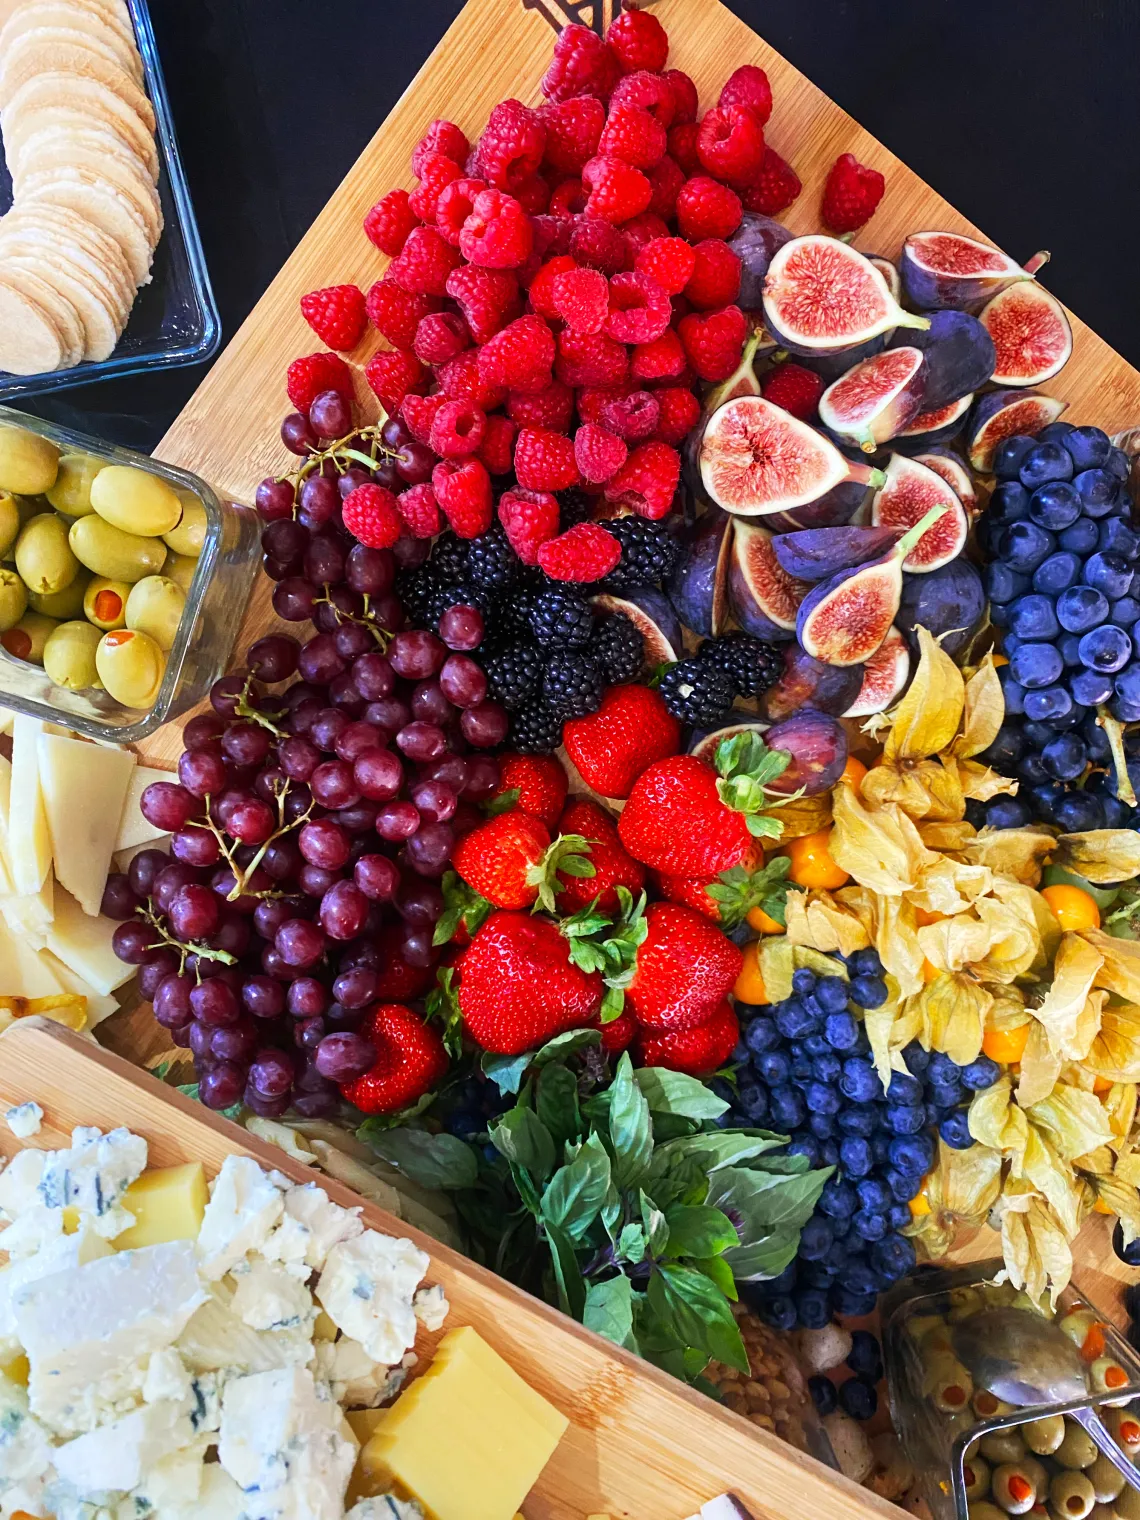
x: 910, y: 492
x: 999, y: 415
x: 946, y: 463
x: 940, y: 422
x: 755, y: 458
x: 821, y: 296
x: 876, y: 399
x: 765, y: 598
x: 943, y: 270
x: 818, y: 747
x: 884, y: 676
x: 1031, y: 334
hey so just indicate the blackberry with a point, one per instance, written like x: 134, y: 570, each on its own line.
x: 572, y: 684
x: 415, y: 589
x: 449, y: 558
x: 751, y: 665
x: 513, y: 674
x: 461, y: 594
x: 559, y: 618
x: 697, y: 693
x: 574, y: 507
x: 536, y: 730
x: 491, y: 562
x: 649, y: 553
x: 618, y: 643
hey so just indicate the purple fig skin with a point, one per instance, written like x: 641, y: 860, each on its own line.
x: 917, y: 437
x: 838, y: 506
x: 697, y: 588
x: 818, y: 553
x: 1001, y: 414
x: 703, y: 742
x: 933, y: 289
x: 764, y: 599
x: 817, y: 744
x: 808, y: 682
x: 1031, y: 334
x: 651, y: 613
x: 949, y: 602
x: 829, y: 367
x: 960, y: 356
x: 754, y: 242
x: 897, y: 406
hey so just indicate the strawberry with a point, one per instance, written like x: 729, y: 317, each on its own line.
x: 612, y: 866
x: 618, y: 1034
x: 699, y: 1052
x: 399, y: 980
x: 684, y: 968
x: 727, y: 898
x: 518, y: 986
x: 410, y: 1060
x: 612, y: 746
x: 511, y: 861
x: 534, y: 783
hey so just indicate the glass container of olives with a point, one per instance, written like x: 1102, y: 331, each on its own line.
x: 123, y: 582
x: 980, y: 1457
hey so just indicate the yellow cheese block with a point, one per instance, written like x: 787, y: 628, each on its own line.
x: 464, y: 1341
x: 16, y: 1369
x: 324, y: 1327
x: 363, y: 1423
x: 168, y: 1203
x: 84, y: 944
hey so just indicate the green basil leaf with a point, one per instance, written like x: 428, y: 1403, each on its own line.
x: 672, y: 1126
x: 577, y: 1191
x: 765, y: 1258
x: 631, y: 1131
x: 672, y: 1092
x: 609, y: 1311
x: 556, y: 1103
x: 567, y: 1272
x: 432, y: 1161
x: 717, y: 1270
x: 566, y: 1044
x: 699, y: 1231
x: 765, y: 1201
x: 631, y: 1243
x: 505, y: 1071
x: 654, y: 1224
x: 720, y: 1148
x: 699, y: 1314
x: 524, y: 1140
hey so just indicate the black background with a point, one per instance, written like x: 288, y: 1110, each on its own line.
x: 1025, y: 114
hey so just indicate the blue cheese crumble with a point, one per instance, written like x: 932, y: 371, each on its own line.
x: 25, y: 1119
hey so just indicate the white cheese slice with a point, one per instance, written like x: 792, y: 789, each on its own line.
x: 29, y: 916
x: 84, y: 944
x: 218, y: 1498
x: 99, y: 1005
x: 23, y: 971
x: 5, y: 807
x: 133, y: 828
x: 119, y: 1455
x: 123, y: 858
x: 83, y: 787
x: 29, y: 842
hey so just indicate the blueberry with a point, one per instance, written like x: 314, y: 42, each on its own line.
x: 1035, y: 665
x: 847, y: 1303
x: 858, y: 1398
x: 1109, y: 573
x: 1078, y: 812
x: 801, y: 1067
x: 837, y: 1256
x: 752, y: 1101
x: 807, y: 1145
x: 822, y: 1126
x: 1048, y: 706
x: 783, y: 1282
x: 980, y: 1073
x: 1009, y: 455
x: 1081, y: 538
x: 873, y: 1193
x: 1037, y: 733
x: 1118, y: 537
x: 774, y: 1067
x: 903, y: 1185
x: 1054, y: 432
x: 903, y: 1118
x: 1116, y: 814
x: 1107, y: 648
x: 813, y: 1308
x: 816, y: 1045
x: 1023, y: 545
x: 859, y: 1081
x: 760, y: 1035
x: 942, y: 1069
x: 881, y: 1148
x: 1097, y: 489
x: 1081, y: 608
x: 827, y: 1068
x: 831, y: 991
x: 1005, y: 750
x: 793, y: 1020
x: 1055, y: 574
x: 1045, y: 461
x: 912, y: 1153
x: 803, y: 981
x: 465, y: 1124
x: 859, y: 1119
x: 860, y: 1277
x: 779, y: 1312
x: 955, y: 1130
x: 893, y: 1257
x: 786, y: 1107
x: 903, y: 1088
x: 1087, y: 446
x: 1055, y: 505
x: 830, y: 1154
x: 823, y: 1394
x: 837, y: 1199
x: 1032, y: 616
x: 855, y: 1156
x: 899, y: 1216
x: 815, y: 1239
x: 865, y: 963
x: 868, y: 992
x: 1013, y: 694
x: 1065, y: 757
x: 1124, y: 611
x: 869, y: 1226
x: 999, y: 617
x: 817, y: 1275
x: 841, y: 1029
x: 865, y: 1358
x: 1090, y: 687
x: 917, y: 1060
x: 1127, y: 685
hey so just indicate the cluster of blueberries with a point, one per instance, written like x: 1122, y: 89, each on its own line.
x: 804, y: 1068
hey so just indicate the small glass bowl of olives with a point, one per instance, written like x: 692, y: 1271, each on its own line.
x: 123, y: 582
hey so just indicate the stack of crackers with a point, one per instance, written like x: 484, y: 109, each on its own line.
x: 78, y: 134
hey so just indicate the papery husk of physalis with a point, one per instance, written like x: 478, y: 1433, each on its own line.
x: 879, y: 847
x: 996, y: 1121
x: 952, y: 1012
x: 949, y: 837
x: 1070, y: 1012
x: 961, y: 1188
x: 921, y: 788
x: 950, y: 886
x: 927, y: 719
x: 978, y: 783
x: 816, y: 920
x: 1073, y: 1121
x: 1102, y: 856
x: 984, y: 711
x: 892, y: 926
x: 1040, y: 1067
x: 1114, y: 1054
x: 779, y: 959
x: 1120, y: 971
x: 1038, y: 1260
x: 1017, y: 853
x: 1022, y: 931
x: 1122, y: 1198
x: 800, y: 816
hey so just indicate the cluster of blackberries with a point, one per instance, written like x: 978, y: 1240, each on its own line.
x: 700, y: 691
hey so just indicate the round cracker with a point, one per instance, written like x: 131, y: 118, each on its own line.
x: 56, y: 89
x: 94, y: 152
x: 44, y: 183
x: 101, y: 326
x: 114, y: 11
x: 35, y: 54
x: 47, y: 255
x: 116, y: 21
x: 105, y: 207
x: 52, y: 227
x: 58, y: 21
x: 30, y: 343
x: 49, y: 298
x: 33, y: 122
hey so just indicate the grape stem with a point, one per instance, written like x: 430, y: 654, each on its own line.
x: 383, y: 636
x: 242, y: 876
x: 244, y: 708
x: 184, y: 948
x: 338, y: 451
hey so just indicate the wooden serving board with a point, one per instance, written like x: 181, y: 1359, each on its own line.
x: 229, y: 430
x: 640, y: 1443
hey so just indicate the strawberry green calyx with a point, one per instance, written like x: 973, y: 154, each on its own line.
x: 736, y: 891
x: 503, y: 802
x: 747, y: 767
x: 462, y: 905
x: 442, y: 1005
x: 567, y: 854
x: 608, y: 946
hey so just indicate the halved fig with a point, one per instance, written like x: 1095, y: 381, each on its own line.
x: 1030, y: 333
x: 818, y: 747
x: 755, y: 458
x: 764, y: 597
x: 808, y: 682
x: 950, y: 603
x: 1000, y: 414
x: 959, y: 356
x: 876, y: 399
x: 934, y: 427
x: 698, y: 587
x: 705, y: 741
x: 948, y: 269
x: 822, y: 296
x: 816, y: 553
x: 884, y: 676
x: 910, y: 493
x: 946, y: 463
x: 844, y: 620
x: 839, y: 506
x: 755, y: 242
x: 651, y: 613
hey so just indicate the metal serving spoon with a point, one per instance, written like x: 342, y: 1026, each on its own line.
x: 1024, y: 1359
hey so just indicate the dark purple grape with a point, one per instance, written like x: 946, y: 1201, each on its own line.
x: 158, y: 964
x: 395, y: 433
x: 390, y: 713
x: 397, y: 821
x: 353, y: 640
x: 330, y: 414
x: 195, y: 847
x: 262, y: 997
x: 344, y: 695
x: 203, y: 731
x: 167, y: 805
x: 269, y: 783
x: 282, y: 860
x: 369, y: 571
x: 416, y: 948
x: 319, y: 505
x: 169, y: 881
x: 194, y: 912
x: 299, y: 943
x: 430, y: 704
x: 318, y: 1105
x: 344, y: 1056
x: 462, y: 627
x: 143, y: 869
x: 299, y: 438
x: 274, y: 499
x: 357, y: 819
x: 421, y: 741
x: 274, y: 658
x: 215, y: 1002
x: 298, y: 758
x: 414, y: 462
x: 172, y: 1001
x: 286, y: 540
x: 485, y: 725
x: 355, y: 475
x: 252, y: 821
x: 420, y: 903
x: 246, y: 743
x: 333, y: 785
x: 409, y: 553
x: 373, y: 676
x: 356, y: 988
x: 376, y: 876
x: 269, y: 915
x: 119, y: 900
x: 462, y: 681
x: 233, y: 935
x: 315, y: 881
x: 308, y: 998
x: 320, y: 660
x: 227, y: 692
x: 377, y: 775
x: 387, y: 610
x: 324, y: 843
x: 202, y: 772
x: 337, y: 605
x: 343, y: 911
x: 234, y: 1042
x: 294, y: 599
x: 271, y: 1073
x: 201, y: 1037
x: 326, y: 726
x: 307, y: 1035
x: 416, y: 654
x: 325, y: 556
x: 435, y: 800
x: 358, y: 739
x: 429, y: 848
x: 265, y: 1108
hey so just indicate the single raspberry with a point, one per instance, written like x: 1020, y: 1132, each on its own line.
x: 497, y: 234
x: 706, y: 209
x: 464, y: 494
x: 795, y: 388
x: 371, y: 516
x: 582, y: 299
x: 679, y: 413
x: 568, y: 199
x: 424, y: 263
x: 590, y: 359
x: 582, y: 65
x: 488, y: 299
x: 573, y: 128
x: 715, y: 280
x: 592, y: 399
x: 552, y: 233
x: 529, y: 519
x: 542, y: 286
x: 669, y: 261
x: 639, y: 308
x: 663, y: 359
x: 714, y: 341
x: 462, y: 380
x: 617, y: 192
x: 455, y: 205
x: 419, y: 412
x: 583, y: 553
x: 684, y: 95
x: 420, y: 510
x: 552, y: 407
x: 851, y: 195
x: 441, y: 137
x: 643, y: 229
x: 683, y: 146
x: 532, y: 194
x: 511, y: 146
x: 598, y: 453
x: 395, y: 313
x: 650, y: 92
x: 639, y: 40
x: 748, y: 86
x: 647, y: 482
x: 336, y: 314
x: 392, y: 373
x: 520, y: 357
x: 775, y: 187
x: 497, y: 450
x: 306, y: 378
x: 730, y: 144
x: 634, y: 136
x: 437, y: 172
x: 544, y: 461
x: 599, y: 245
x: 388, y: 223
x: 632, y: 417
x: 666, y: 179
x: 457, y: 429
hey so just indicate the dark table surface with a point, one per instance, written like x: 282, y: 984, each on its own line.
x: 1025, y: 114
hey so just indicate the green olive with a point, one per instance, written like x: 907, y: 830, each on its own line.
x: 71, y: 493
x: 28, y: 463
x: 13, y: 599
x: 43, y: 555
x: 130, y: 666
x: 1013, y: 1488
x: 26, y: 639
x: 110, y: 551
x: 976, y: 1475
x: 10, y: 520
x: 180, y: 569
x: 105, y: 603
x: 1044, y: 1435
x: 135, y: 500
x: 1071, y: 1494
x: 1077, y: 1449
x: 155, y: 606
x: 1000, y: 1446
x: 190, y: 533
x: 69, y: 655
x: 1106, y: 1479
x: 67, y: 603
x: 1127, y: 1503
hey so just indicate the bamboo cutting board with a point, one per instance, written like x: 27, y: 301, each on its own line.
x: 229, y: 430
x: 640, y: 1444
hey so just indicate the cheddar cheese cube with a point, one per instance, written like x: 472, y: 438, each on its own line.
x: 168, y: 1204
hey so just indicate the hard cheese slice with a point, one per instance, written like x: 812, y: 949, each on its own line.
x: 99, y: 1005
x: 30, y: 916
x: 84, y: 945
x: 84, y: 787
x: 29, y: 842
x: 133, y: 828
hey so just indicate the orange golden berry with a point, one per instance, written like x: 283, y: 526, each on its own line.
x: 812, y: 865
x: 756, y: 918
x: 1006, y: 1045
x: 749, y: 985
x: 1073, y: 908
